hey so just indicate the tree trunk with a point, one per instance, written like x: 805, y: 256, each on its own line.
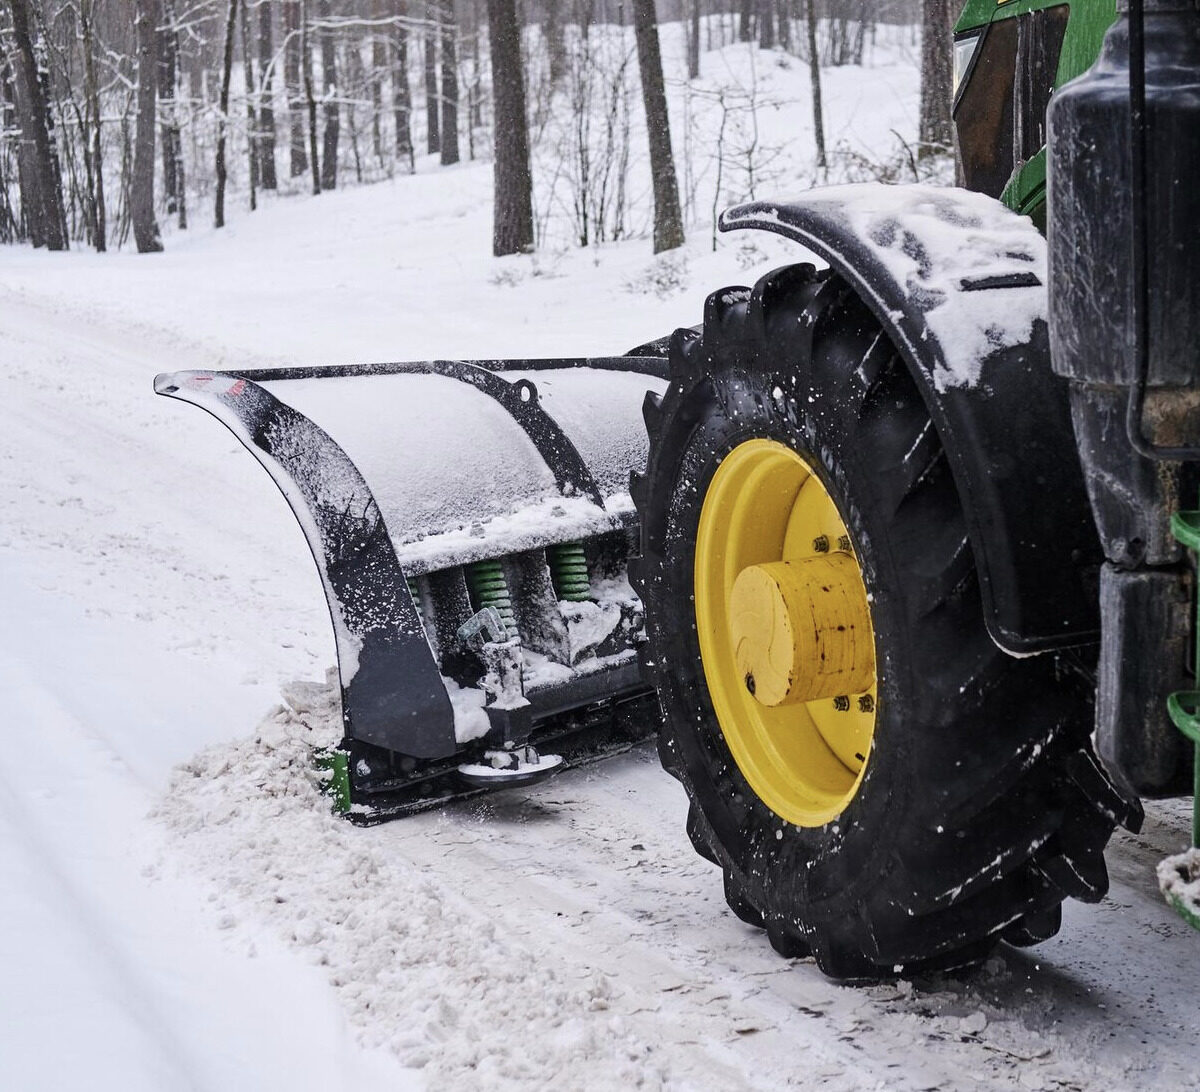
x: 433, y: 138
x: 43, y: 199
x: 251, y: 113
x: 937, y: 44
x: 354, y: 78
x: 223, y: 112
x: 266, y: 109
x: 10, y: 226
x: 766, y: 24
x: 333, y: 123
x: 814, y: 71
x: 746, y: 21
x: 693, y: 51
x: 310, y: 98
x: 554, y: 28
x: 166, y: 99
x: 668, y: 222
x: 141, y: 194
x: 379, y: 65
x: 449, y: 144
x: 99, y: 214
x: 33, y: 211
x: 401, y: 95
x: 293, y: 85
x: 172, y: 138
x: 512, y: 231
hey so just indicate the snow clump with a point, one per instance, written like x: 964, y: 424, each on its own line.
x: 419, y: 970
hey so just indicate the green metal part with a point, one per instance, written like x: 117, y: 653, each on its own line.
x: 1026, y: 190
x: 489, y: 588
x: 1184, y: 705
x: 569, y: 572
x: 338, y: 786
x: 1184, y: 911
x: 1086, y: 26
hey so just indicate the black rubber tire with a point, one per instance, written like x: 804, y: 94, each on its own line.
x: 983, y: 805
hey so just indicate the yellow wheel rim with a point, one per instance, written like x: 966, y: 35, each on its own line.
x: 785, y: 630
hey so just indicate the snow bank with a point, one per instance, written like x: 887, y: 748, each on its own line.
x: 1179, y: 881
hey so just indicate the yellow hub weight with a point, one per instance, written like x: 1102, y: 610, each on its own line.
x: 786, y: 637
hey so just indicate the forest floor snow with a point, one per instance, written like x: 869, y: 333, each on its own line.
x: 178, y: 909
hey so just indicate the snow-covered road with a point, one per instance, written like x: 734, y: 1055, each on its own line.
x: 155, y: 595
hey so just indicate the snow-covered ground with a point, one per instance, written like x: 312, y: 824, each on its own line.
x: 177, y: 908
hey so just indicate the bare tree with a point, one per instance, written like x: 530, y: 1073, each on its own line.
x: 766, y: 24
x: 172, y: 140
x: 310, y: 98
x: 11, y: 228
x: 41, y: 192
x: 554, y: 26
x: 145, y: 225
x: 223, y: 112
x: 251, y: 112
x: 512, y: 230
x: 93, y: 155
x: 293, y: 44
x: 401, y: 95
x: 668, y: 222
x: 266, y: 110
x: 332, y: 112
x: 814, y: 70
x: 936, y: 130
x: 449, y: 144
x: 378, y: 68
x: 693, y: 41
x: 746, y: 21
x: 433, y: 139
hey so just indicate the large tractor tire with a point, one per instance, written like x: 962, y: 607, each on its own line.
x: 881, y: 785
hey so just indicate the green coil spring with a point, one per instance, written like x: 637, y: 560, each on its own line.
x: 569, y: 572
x: 489, y: 588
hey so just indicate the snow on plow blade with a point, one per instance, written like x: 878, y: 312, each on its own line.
x: 471, y: 524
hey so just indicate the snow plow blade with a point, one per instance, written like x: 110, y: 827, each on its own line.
x: 471, y: 524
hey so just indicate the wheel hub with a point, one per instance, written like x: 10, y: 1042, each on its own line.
x: 801, y: 630
x: 786, y: 635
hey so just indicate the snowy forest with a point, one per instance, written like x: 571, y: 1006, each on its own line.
x: 123, y: 122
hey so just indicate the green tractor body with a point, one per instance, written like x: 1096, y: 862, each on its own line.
x: 1008, y: 60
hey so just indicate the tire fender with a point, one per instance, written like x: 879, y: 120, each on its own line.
x: 958, y: 282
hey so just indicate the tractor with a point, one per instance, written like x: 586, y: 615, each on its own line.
x: 899, y: 566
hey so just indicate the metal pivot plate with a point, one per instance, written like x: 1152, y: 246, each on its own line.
x: 522, y: 766
x: 786, y: 636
